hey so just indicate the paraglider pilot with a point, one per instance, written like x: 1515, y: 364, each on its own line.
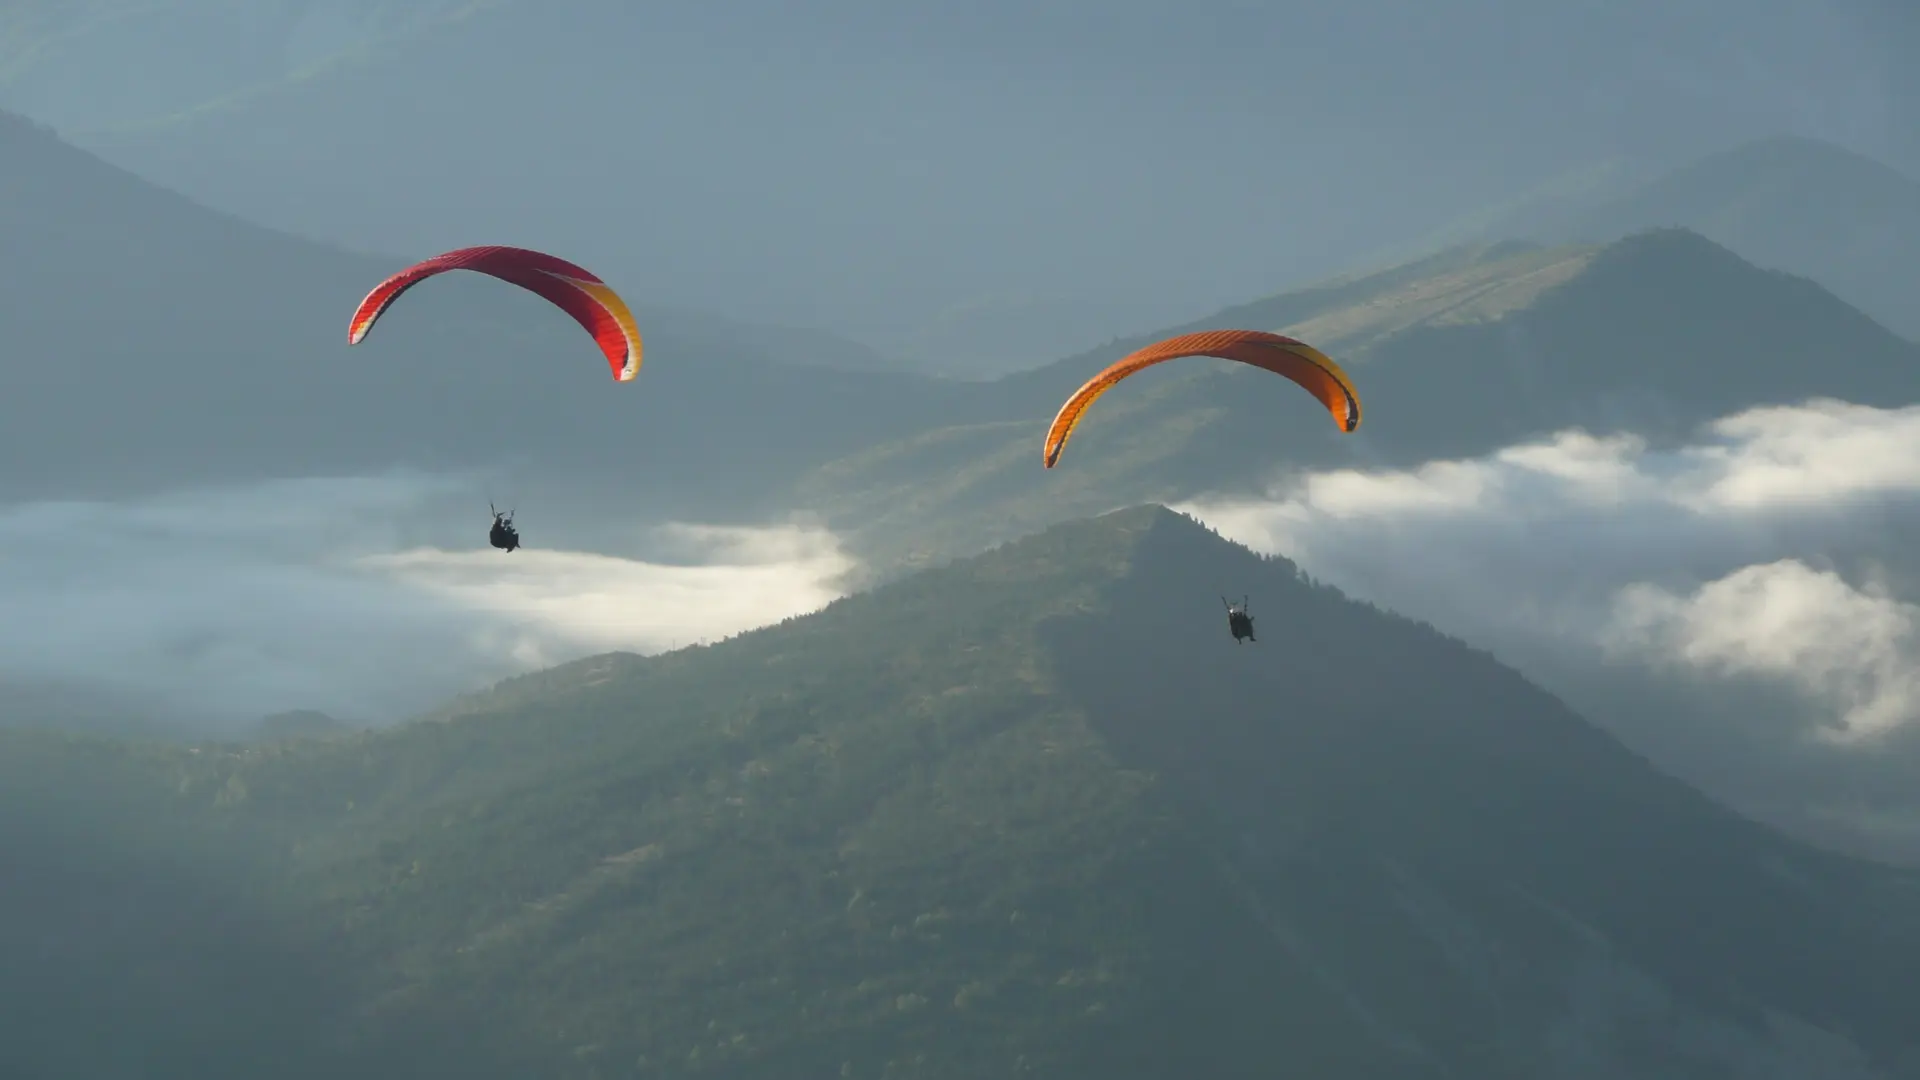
x: 503, y: 535
x: 1238, y: 621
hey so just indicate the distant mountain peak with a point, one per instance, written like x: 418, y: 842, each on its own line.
x: 13, y: 123
x: 1801, y: 205
x: 299, y: 724
x: 1793, y: 151
x: 1674, y: 249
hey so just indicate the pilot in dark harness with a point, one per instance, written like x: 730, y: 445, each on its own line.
x: 503, y: 535
x: 1238, y: 620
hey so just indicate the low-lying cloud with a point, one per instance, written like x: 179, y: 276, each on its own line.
x: 1769, y: 549
x: 545, y: 607
x: 366, y: 598
x: 1853, y: 648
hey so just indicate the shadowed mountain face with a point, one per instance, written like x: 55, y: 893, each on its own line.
x: 1372, y: 790
x: 1038, y: 812
x: 133, y: 946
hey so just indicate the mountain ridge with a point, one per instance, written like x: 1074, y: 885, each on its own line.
x: 1807, y: 206
x: 1037, y: 807
x: 1456, y: 355
x: 1804, y: 205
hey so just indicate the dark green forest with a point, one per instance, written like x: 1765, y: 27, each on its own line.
x: 1031, y: 813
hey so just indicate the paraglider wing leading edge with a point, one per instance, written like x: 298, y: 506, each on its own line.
x: 572, y: 289
x: 1307, y: 366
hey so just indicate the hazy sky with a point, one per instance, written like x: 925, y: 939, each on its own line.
x: 977, y: 178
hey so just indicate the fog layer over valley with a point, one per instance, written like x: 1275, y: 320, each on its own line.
x: 360, y: 597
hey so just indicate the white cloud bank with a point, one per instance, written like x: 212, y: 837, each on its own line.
x: 1853, y: 648
x: 1720, y: 557
x: 357, y: 596
x: 550, y: 606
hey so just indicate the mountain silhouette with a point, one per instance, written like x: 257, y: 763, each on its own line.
x: 1038, y: 812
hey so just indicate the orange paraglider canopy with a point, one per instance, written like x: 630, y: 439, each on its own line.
x: 1304, y: 364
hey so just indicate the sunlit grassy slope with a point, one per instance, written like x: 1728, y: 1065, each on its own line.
x: 1456, y: 355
